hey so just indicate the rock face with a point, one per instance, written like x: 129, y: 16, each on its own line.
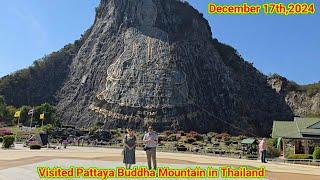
x: 303, y: 100
x: 155, y: 62
x: 302, y: 104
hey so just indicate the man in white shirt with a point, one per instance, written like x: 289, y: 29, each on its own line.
x: 150, y: 139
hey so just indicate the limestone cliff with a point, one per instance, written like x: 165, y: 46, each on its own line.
x: 304, y: 100
x: 155, y: 62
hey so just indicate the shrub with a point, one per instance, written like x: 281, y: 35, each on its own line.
x: 216, y: 144
x: 227, y: 143
x: 4, y: 132
x: 195, y: 135
x: 272, y: 142
x: 163, y: 138
x: 209, y: 150
x: 223, y: 136
x: 211, y: 134
x: 48, y: 128
x: 190, y: 140
x: 199, y: 137
x: 241, y: 137
x: 195, y: 143
x: 7, y: 141
x: 252, y: 157
x: 316, y: 153
x: 182, y: 133
x: 300, y: 156
x: 191, y: 134
x: 289, y: 151
x: 1, y: 139
x: 172, y: 137
x: 35, y: 146
x: 182, y: 148
x: 168, y: 132
x: 273, y: 152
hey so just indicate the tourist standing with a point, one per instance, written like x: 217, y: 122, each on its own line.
x: 129, y: 152
x: 150, y: 139
x: 82, y: 142
x: 65, y: 143
x: 263, y: 150
x: 60, y: 141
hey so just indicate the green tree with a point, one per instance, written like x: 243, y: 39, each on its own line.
x: 6, y: 112
x: 10, y: 114
x: 24, y: 117
x: 49, y: 115
x: 2, y: 108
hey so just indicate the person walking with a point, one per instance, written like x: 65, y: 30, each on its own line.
x: 129, y: 152
x: 150, y: 140
x: 263, y: 150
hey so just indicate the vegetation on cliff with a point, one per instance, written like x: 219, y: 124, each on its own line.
x: 309, y: 89
x: 39, y: 83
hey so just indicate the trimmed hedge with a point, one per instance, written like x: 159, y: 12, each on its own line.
x: 7, y: 141
x: 316, y: 153
x: 300, y: 156
x: 252, y: 157
x: 227, y: 143
x: 190, y: 140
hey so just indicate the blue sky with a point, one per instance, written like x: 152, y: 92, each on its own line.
x: 287, y: 45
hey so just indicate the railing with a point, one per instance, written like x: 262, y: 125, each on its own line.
x: 296, y: 161
x: 303, y: 161
x: 229, y: 155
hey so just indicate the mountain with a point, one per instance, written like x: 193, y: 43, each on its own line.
x: 40, y: 82
x: 303, y: 100
x: 151, y: 62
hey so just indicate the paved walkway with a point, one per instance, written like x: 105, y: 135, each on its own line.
x: 28, y: 171
x: 24, y: 161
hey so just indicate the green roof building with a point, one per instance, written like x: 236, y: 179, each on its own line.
x: 300, y: 128
x: 249, y: 141
x: 299, y: 132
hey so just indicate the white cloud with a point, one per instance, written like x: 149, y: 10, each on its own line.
x: 33, y: 24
